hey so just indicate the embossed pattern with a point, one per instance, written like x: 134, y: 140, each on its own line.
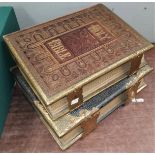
x: 128, y: 129
x: 62, y: 52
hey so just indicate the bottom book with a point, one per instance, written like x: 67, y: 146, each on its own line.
x: 73, y: 136
x: 80, y: 122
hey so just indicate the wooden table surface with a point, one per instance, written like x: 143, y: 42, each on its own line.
x: 128, y: 129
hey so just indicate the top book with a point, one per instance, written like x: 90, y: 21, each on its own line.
x: 61, y: 56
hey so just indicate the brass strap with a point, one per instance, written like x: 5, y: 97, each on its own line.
x: 132, y: 91
x: 135, y: 63
x: 89, y: 124
x: 75, y: 99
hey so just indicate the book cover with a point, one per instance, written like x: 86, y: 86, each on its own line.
x: 60, y: 56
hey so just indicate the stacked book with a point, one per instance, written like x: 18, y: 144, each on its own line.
x: 77, y: 69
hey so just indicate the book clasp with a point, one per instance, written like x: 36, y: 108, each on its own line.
x: 132, y: 91
x: 135, y: 63
x: 75, y: 99
x: 89, y: 124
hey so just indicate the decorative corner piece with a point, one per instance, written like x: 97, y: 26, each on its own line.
x: 75, y: 99
x: 89, y: 124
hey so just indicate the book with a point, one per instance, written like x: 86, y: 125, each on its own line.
x: 66, y: 60
x: 7, y: 18
x: 70, y: 127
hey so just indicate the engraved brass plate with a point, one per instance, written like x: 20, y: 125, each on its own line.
x: 75, y: 99
x: 89, y: 124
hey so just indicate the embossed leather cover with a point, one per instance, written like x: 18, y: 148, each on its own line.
x: 62, y: 55
x: 70, y: 123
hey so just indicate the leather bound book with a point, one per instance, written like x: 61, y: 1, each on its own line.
x: 81, y: 121
x: 68, y: 60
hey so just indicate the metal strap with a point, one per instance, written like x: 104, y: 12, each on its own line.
x: 89, y: 124
x: 75, y: 99
x: 135, y: 63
